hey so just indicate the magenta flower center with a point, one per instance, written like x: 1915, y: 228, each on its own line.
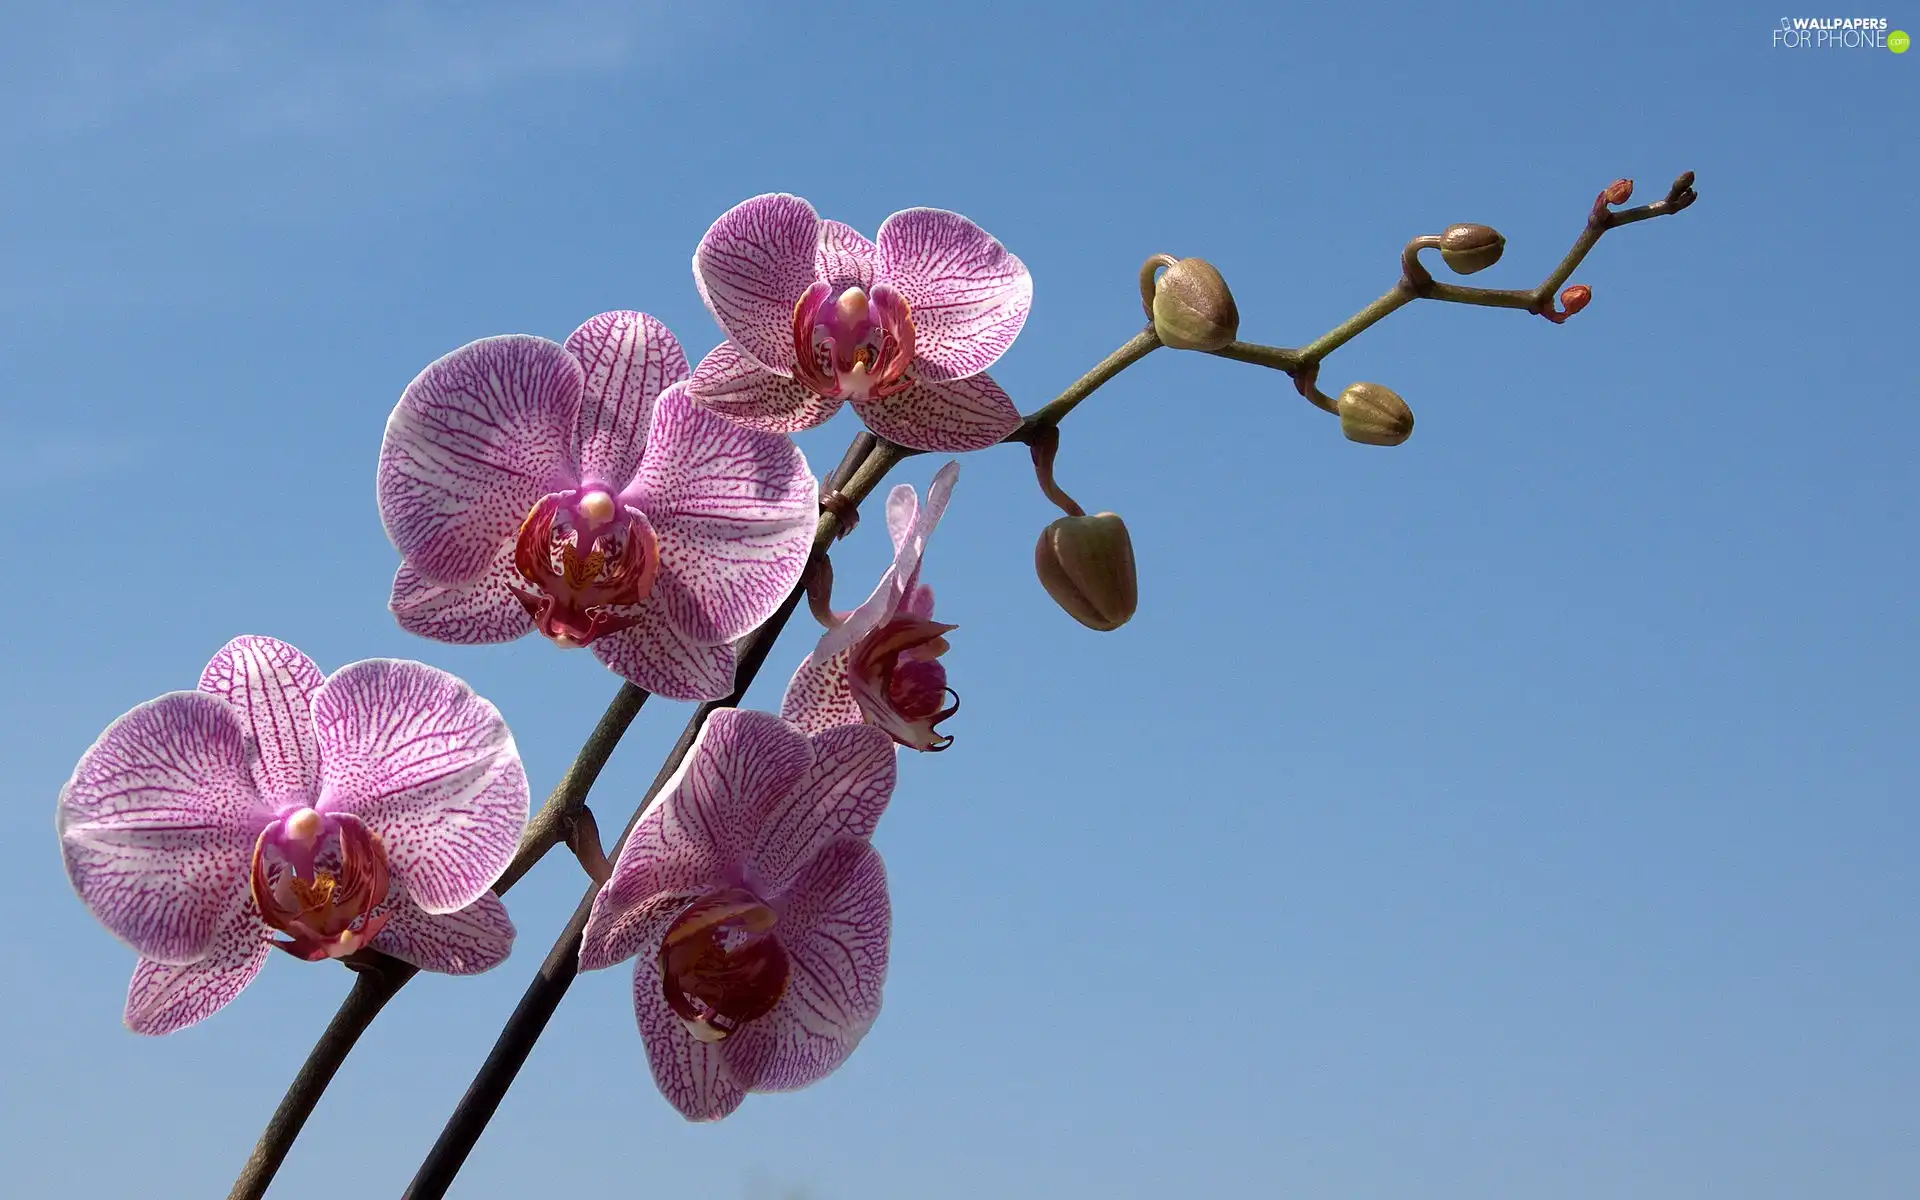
x: 584, y: 553
x: 848, y: 345
x: 317, y: 878
x: 721, y: 965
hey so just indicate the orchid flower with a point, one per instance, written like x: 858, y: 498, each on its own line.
x: 903, y: 326
x: 577, y: 490
x: 880, y: 664
x: 757, y: 909
x: 373, y: 807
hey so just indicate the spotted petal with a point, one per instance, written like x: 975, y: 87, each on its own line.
x: 158, y: 822
x: 818, y: 696
x: 836, y: 926
x: 431, y: 768
x: 844, y: 258
x: 653, y: 654
x: 270, y: 685
x: 947, y: 418
x: 751, y: 267
x: 744, y: 392
x: 970, y: 297
x: 734, y: 510
x: 843, y: 793
x: 691, y: 1074
x: 164, y: 999
x: 477, y: 938
x: 483, y: 611
x: 477, y: 438
x: 629, y: 359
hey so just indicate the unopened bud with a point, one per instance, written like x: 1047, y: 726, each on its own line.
x: 1470, y: 248
x: 1192, y: 307
x: 1575, y: 298
x: 1086, y: 565
x: 1619, y: 191
x: 1374, y: 415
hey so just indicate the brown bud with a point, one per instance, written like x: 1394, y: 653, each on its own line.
x: 1575, y: 298
x: 1086, y: 565
x: 1192, y: 307
x: 1470, y: 248
x: 1374, y: 415
x: 1619, y: 191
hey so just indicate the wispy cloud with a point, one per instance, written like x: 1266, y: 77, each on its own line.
x: 272, y: 69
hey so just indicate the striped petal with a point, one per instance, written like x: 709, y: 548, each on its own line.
x: 848, y: 782
x: 946, y: 418
x: 476, y: 938
x: 270, y: 686
x: 819, y: 696
x: 691, y: 1074
x: 653, y: 653
x: 157, y: 824
x: 431, y: 768
x: 629, y: 358
x: 751, y: 267
x: 476, y: 439
x: 164, y: 999
x: 844, y: 257
x: 744, y: 392
x: 482, y: 611
x: 969, y: 296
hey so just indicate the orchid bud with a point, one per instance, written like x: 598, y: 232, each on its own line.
x: 1192, y: 308
x: 1086, y: 565
x: 1619, y: 191
x: 1470, y: 248
x: 1374, y: 415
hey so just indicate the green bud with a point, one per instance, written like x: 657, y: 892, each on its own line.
x: 1470, y: 248
x: 1086, y: 565
x: 1192, y: 308
x: 1374, y: 415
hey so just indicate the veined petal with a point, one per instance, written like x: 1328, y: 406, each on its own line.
x: 743, y: 768
x: 165, y: 999
x: 836, y: 926
x: 483, y: 611
x: 876, y: 610
x: 270, y: 686
x: 910, y: 524
x: 476, y: 438
x: 653, y: 654
x: 844, y: 792
x: 818, y: 696
x: 691, y: 1074
x: 428, y: 766
x: 910, y: 543
x: 629, y: 359
x: 632, y: 918
x: 476, y: 938
x: 970, y: 297
x: 952, y: 417
x: 158, y: 822
x: 844, y: 257
x: 734, y: 510
x: 751, y: 267
x: 730, y: 383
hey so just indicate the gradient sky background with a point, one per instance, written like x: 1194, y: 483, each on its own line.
x: 1526, y: 811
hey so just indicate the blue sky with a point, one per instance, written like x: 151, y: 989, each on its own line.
x: 1524, y: 811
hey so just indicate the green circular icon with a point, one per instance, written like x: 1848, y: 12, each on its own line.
x: 1898, y: 41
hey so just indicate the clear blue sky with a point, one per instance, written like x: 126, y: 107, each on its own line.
x: 1526, y: 811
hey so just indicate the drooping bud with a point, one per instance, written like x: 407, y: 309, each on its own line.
x: 1470, y: 248
x: 1086, y: 565
x: 1575, y: 298
x: 1374, y: 415
x: 1619, y: 191
x: 1192, y: 308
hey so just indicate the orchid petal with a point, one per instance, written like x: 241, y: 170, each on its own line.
x: 843, y: 794
x: 910, y: 524
x: 476, y: 938
x: 157, y: 824
x: 428, y: 766
x: 652, y: 653
x: 629, y: 359
x: 691, y: 1074
x: 903, y: 508
x: 818, y: 696
x: 970, y: 297
x: 910, y: 546
x: 481, y: 612
x: 632, y: 912
x: 730, y: 383
x: 270, y: 686
x: 951, y: 417
x: 164, y: 999
x: 836, y: 926
x: 844, y: 257
x: 751, y: 267
x: 734, y: 510
x: 476, y: 439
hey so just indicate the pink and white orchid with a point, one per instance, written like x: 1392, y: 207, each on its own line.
x: 374, y: 807
x: 880, y: 664
x: 904, y: 326
x: 757, y: 908
x: 577, y: 490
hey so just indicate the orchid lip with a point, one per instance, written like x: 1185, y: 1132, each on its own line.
x: 852, y: 344
x: 722, y: 965
x: 584, y: 555
x: 327, y: 911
